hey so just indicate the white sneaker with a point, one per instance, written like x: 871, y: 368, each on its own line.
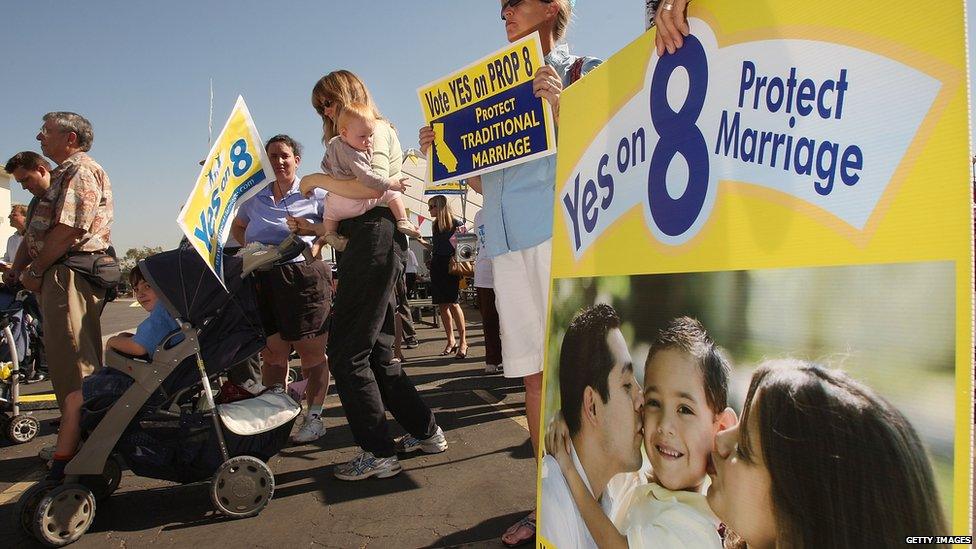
x: 434, y: 444
x: 367, y: 465
x: 313, y: 428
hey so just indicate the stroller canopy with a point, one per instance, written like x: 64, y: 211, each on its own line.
x: 225, y: 319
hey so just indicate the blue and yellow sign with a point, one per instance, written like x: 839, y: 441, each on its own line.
x: 797, y: 181
x: 236, y: 169
x: 485, y: 116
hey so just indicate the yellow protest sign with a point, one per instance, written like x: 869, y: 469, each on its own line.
x: 236, y: 168
x: 795, y: 178
x: 486, y: 117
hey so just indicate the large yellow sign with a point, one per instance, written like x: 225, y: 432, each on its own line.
x: 236, y: 169
x: 794, y: 177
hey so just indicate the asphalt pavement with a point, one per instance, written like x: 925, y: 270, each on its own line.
x: 464, y: 497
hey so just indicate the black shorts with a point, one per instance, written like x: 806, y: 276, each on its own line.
x: 294, y: 300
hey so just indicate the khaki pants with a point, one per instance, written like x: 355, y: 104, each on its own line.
x: 71, y: 312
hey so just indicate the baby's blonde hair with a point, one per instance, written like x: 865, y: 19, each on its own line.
x: 355, y: 111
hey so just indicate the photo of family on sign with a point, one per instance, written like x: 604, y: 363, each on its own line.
x: 779, y: 407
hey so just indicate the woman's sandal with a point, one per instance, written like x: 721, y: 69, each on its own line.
x: 462, y: 351
x: 527, y: 525
x: 449, y: 349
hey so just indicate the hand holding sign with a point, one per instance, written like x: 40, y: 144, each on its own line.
x: 548, y: 85
x: 491, y: 114
x: 671, y: 20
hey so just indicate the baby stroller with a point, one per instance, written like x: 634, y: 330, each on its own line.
x: 166, y: 425
x: 22, y: 355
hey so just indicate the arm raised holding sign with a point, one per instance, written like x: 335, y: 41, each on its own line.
x: 671, y: 20
x: 517, y: 220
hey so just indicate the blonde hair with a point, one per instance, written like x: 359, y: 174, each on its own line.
x: 22, y: 208
x: 352, y: 112
x: 445, y: 216
x: 563, y: 16
x: 340, y: 88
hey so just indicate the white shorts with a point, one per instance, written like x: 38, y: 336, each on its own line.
x: 522, y: 300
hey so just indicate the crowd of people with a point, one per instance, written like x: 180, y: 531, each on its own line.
x: 353, y: 331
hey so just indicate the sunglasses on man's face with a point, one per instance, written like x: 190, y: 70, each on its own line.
x: 512, y: 3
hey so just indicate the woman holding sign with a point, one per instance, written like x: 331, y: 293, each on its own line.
x: 368, y: 378
x: 518, y: 219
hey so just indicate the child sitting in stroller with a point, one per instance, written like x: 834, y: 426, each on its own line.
x: 107, y: 383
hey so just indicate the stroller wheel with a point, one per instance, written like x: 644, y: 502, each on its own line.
x: 63, y: 515
x: 241, y: 487
x: 28, y: 502
x: 294, y: 374
x: 104, y: 485
x: 23, y: 428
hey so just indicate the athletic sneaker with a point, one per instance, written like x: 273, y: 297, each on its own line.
x: 312, y: 429
x: 435, y: 444
x: 493, y: 368
x: 367, y: 465
x: 411, y: 343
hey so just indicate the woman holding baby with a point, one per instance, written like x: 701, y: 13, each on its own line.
x: 368, y: 378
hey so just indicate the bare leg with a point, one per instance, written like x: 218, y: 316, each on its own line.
x: 315, y: 367
x: 458, y: 315
x: 397, y: 208
x: 444, y: 310
x: 330, y: 225
x: 274, y: 371
x: 70, y: 433
x: 533, y: 407
x: 533, y: 402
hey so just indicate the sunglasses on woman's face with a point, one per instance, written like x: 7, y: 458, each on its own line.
x: 512, y: 3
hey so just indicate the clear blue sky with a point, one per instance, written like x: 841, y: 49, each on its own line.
x: 140, y: 72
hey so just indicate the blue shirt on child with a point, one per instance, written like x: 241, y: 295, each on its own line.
x: 155, y: 328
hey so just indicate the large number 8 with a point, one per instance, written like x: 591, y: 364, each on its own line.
x: 239, y: 158
x: 679, y: 134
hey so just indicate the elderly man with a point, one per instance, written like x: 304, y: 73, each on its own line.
x: 73, y: 217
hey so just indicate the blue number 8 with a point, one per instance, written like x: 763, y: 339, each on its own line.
x: 240, y: 158
x: 679, y: 134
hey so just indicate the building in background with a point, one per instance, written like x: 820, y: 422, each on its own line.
x: 5, y: 230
